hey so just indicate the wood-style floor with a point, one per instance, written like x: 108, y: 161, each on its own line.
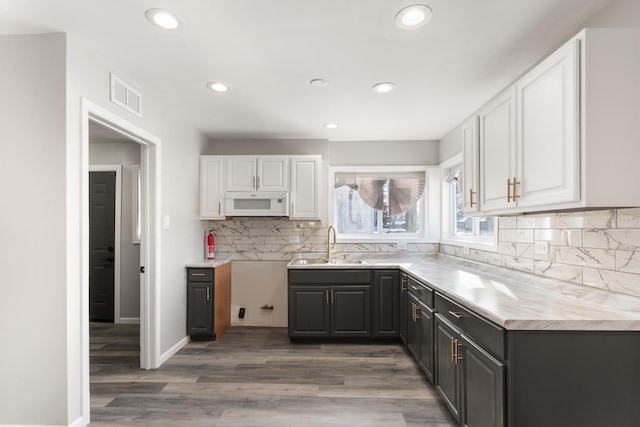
x: 255, y: 377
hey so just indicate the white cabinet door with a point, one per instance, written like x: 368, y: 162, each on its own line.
x: 305, y: 187
x: 547, y: 140
x: 211, y: 187
x: 497, y: 150
x: 241, y: 173
x: 273, y: 173
x: 470, y: 164
x: 257, y: 173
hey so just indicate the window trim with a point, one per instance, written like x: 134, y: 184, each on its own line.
x: 430, y: 201
x: 489, y: 244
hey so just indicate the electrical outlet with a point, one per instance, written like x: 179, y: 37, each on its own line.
x: 541, y: 248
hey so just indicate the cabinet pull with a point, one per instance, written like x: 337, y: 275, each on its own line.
x: 452, y: 351
x: 332, y: 301
x: 414, y: 288
x: 403, y: 282
x: 258, y: 182
x: 471, y: 202
x: 512, y: 197
x: 291, y: 209
x: 327, y: 293
x: 208, y: 293
x: 198, y: 274
x: 254, y: 183
x: 456, y: 351
x: 455, y: 314
x: 219, y: 208
x: 413, y: 312
x: 417, y: 309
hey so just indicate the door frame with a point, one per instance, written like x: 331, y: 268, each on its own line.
x: 150, y: 161
x: 117, y: 234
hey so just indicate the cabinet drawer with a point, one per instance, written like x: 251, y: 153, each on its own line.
x: 421, y: 291
x: 200, y: 275
x: 488, y: 335
x: 329, y: 276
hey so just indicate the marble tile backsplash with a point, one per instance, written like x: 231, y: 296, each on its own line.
x: 593, y: 248
x: 268, y: 239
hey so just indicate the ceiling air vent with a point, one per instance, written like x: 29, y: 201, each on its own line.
x: 124, y: 96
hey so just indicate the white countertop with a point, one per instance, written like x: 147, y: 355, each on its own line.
x: 512, y: 299
x: 209, y: 263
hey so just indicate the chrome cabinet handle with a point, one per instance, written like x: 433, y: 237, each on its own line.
x: 208, y: 293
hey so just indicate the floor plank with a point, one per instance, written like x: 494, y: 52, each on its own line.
x: 255, y: 377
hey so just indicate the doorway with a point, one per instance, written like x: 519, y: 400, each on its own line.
x: 102, y: 245
x: 149, y: 276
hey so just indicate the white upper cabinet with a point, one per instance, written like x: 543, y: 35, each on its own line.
x: 547, y: 131
x: 497, y: 150
x: 257, y: 173
x: 470, y: 164
x: 211, y: 187
x: 305, y: 187
x: 564, y: 136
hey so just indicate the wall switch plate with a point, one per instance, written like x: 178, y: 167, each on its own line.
x: 541, y: 248
x: 294, y: 239
x: 166, y: 222
x: 241, y: 313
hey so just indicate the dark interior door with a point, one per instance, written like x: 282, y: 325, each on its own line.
x: 102, y: 199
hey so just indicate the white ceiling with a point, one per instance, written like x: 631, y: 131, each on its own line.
x: 269, y: 50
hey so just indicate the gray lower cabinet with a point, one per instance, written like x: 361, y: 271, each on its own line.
x: 329, y: 303
x: 448, y: 367
x: 386, y: 303
x: 200, y: 302
x: 403, y: 308
x: 419, y: 316
x: 469, y: 376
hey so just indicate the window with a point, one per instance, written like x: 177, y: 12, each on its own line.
x: 459, y: 229
x: 382, y: 204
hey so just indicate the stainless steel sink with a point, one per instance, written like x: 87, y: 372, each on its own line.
x: 311, y: 261
x: 345, y: 261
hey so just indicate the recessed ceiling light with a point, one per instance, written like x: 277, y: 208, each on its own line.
x: 331, y: 125
x: 218, y: 86
x: 383, y: 87
x: 163, y: 19
x: 318, y: 83
x: 414, y: 16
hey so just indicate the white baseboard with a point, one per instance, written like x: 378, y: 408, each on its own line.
x: 130, y: 320
x: 173, y: 350
x: 79, y: 422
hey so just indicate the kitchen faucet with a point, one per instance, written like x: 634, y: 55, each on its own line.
x: 331, y: 249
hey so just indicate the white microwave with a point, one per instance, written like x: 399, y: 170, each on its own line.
x: 268, y: 203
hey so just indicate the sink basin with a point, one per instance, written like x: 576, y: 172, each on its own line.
x: 306, y: 261
x: 309, y: 261
x: 346, y: 261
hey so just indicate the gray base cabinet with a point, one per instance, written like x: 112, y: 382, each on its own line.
x: 403, y: 308
x: 329, y: 303
x: 386, y: 304
x: 199, y: 308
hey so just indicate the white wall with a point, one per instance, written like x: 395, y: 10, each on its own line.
x: 126, y: 154
x: 388, y: 153
x: 33, y: 280
x: 40, y: 166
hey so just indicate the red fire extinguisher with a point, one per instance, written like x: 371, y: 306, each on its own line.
x: 210, y: 246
